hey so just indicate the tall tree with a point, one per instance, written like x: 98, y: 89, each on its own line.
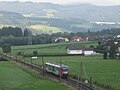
x: 6, y: 48
x: 113, y: 51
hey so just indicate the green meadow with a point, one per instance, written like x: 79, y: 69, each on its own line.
x: 105, y: 73
x: 13, y: 77
x: 47, y: 29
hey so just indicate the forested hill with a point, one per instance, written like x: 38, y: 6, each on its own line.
x: 11, y: 18
x: 82, y: 11
x: 51, y: 18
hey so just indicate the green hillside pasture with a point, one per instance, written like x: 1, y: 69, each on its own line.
x: 86, y: 26
x: 47, y: 29
x: 103, y: 72
x: 48, y: 48
x: 14, y: 78
x: 44, y: 51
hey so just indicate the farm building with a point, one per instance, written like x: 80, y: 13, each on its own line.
x: 77, y: 49
x: 61, y: 39
x: 76, y: 39
x: 118, y: 46
x: 88, y: 51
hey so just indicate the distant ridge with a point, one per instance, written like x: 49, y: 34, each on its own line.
x: 84, y: 11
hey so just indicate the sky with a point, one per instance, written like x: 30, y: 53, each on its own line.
x: 96, y: 2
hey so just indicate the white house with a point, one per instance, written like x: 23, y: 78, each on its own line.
x: 69, y: 51
x: 119, y: 46
x: 61, y: 39
x: 88, y: 51
x: 77, y: 49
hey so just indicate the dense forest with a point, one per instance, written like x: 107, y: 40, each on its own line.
x: 17, y: 36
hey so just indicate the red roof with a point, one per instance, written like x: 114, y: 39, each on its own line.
x: 75, y: 37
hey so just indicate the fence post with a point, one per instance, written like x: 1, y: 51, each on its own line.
x: 16, y: 58
x: 60, y: 72
x: 23, y: 59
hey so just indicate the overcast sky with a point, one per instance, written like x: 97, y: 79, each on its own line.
x: 97, y: 2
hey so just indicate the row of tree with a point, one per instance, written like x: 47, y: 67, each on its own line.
x: 111, y: 51
x: 17, y: 36
x: 14, y: 31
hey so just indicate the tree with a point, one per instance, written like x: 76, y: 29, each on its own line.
x: 6, y: 48
x: 18, y: 32
x: 35, y: 53
x: 105, y: 55
x: 26, y: 32
x: 113, y: 51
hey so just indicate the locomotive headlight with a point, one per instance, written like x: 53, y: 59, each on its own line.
x: 65, y: 72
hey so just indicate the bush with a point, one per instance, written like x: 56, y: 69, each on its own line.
x: 19, y: 53
x: 35, y: 52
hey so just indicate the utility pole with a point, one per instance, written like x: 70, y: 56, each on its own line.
x: 29, y: 35
x: 60, y: 71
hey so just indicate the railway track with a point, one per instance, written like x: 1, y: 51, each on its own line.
x: 70, y: 81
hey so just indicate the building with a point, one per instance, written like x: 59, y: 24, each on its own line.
x: 88, y: 51
x: 61, y: 39
x: 77, y: 49
x: 118, y: 46
x: 76, y: 39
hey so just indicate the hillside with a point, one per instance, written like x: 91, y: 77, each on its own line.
x: 11, y: 18
x: 66, y: 18
x: 82, y: 11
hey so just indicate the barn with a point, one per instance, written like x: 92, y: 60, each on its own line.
x: 78, y: 49
x: 88, y: 51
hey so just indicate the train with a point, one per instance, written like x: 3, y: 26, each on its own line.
x: 57, y: 69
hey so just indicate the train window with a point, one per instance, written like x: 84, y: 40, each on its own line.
x: 53, y: 68
x: 64, y: 69
x: 57, y: 69
x: 49, y: 67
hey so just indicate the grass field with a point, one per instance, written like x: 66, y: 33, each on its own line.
x: 14, y: 78
x: 104, y: 72
x: 47, y: 29
x: 48, y: 48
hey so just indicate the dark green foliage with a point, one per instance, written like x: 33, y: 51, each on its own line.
x: 27, y: 33
x: 105, y: 55
x: 92, y: 47
x: 119, y: 56
x: 2, y: 59
x: 13, y: 36
x: 7, y: 31
x: 113, y: 51
x: 6, y: 48
x: 100, y: 49
x: 19, y: 53
x: 35, y: 53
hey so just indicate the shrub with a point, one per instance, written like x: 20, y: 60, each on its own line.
x: 35, y: 52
